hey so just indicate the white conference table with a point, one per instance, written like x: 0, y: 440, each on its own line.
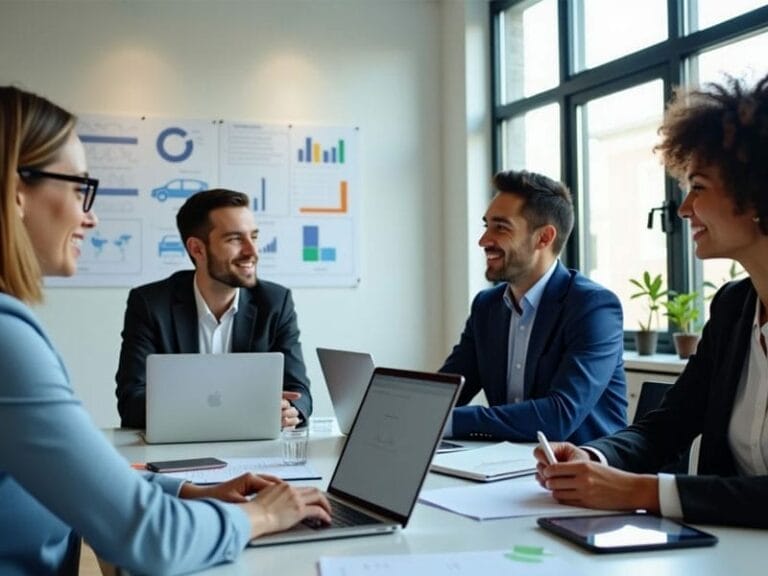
x: 431, y: 530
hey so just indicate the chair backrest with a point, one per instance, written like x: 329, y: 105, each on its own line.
x: 651, y: 394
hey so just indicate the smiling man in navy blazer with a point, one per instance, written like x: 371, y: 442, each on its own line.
x: 219, y: 307
x: 546, y: 343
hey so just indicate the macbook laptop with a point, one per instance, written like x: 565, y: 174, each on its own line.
x: 386, y: 456
x: 346, y: 375
x: 211, y: 397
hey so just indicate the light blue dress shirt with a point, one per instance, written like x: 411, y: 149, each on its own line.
x: 58, y: 474
x: 520, y: 326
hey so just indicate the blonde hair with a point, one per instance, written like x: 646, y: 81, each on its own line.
x: 32, y: 132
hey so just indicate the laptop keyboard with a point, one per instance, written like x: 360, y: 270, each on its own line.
x: 342, y: 515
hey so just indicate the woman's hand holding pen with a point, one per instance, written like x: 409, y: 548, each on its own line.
x: 575, y: 479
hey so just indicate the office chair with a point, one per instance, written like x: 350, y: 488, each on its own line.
x: 651, y: 394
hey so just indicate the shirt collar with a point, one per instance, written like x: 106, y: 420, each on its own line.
x: 756, y: 328
x: 202, y: 306
x: 533, y: 297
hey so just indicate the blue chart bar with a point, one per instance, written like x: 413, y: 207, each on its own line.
x: 311, y: 236
x: 328, y: 254
x: 261, y: 206
x: 308, y: 150
x: 118, y: 192
x: 301, y: 155
x: 96, y: 139
x: 333, y: 155
x: 325, y: 156
x: 270, y: 247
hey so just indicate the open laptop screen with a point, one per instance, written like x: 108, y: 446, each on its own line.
x: 394, y: 436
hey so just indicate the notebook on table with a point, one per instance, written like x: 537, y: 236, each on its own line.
x: 386, y: 457
x: 212, y: 397
x: 347, y: 375
x: 487, y: 464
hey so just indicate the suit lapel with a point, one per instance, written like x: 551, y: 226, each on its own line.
x: 245, y: 322
x: 185, y: 316
x: 733, y: 364
x: 497, y: 350
x: 547, y: 317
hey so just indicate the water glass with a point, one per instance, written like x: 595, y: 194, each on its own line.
x: 294, y: 441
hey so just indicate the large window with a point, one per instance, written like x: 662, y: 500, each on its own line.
x: 579, y: 93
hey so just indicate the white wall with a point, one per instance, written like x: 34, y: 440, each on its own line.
x: 412, y: 74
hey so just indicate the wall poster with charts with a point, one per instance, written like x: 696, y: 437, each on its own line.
x: 303, y: 183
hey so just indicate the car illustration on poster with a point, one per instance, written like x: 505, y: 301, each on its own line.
x: 179, y: 188
x: 170, y: 244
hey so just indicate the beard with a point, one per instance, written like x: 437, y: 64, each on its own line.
x: 517, y: 265
x: 227, y: 272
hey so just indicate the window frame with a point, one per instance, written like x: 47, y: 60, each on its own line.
x: 664, y: 60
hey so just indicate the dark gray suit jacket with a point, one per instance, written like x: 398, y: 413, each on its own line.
x: 701, y: 402
x: 161, y: 318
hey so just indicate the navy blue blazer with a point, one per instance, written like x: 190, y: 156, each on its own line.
x: 701, y: 402
x: 161, y: 318
x: 575, y: 388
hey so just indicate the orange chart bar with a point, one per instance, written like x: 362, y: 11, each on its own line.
x: 340, y: 210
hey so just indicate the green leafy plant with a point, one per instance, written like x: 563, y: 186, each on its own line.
x: 651, y: 289
x: 683, y: 311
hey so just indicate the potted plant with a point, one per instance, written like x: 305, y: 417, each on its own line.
x: 683, y: 311
x: 652, y: 290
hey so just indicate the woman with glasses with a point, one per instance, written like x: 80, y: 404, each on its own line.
x: 59, y: 478
x: 716, y: 142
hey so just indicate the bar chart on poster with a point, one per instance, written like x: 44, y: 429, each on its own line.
x: 302, y: 181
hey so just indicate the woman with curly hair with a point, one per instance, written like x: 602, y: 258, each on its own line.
x: 714, y: 140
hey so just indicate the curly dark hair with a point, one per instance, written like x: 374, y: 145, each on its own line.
x: 726, y: 126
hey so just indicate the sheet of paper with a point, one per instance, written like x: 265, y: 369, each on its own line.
x: 506, y: 499
x: 237, y: 466
x: 519, y: 560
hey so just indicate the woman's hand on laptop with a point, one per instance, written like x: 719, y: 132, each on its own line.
x: 236, y: 490
x: 289, y: 415
x: 281, y: 506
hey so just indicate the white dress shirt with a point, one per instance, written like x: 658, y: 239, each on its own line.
x: 214, y: 336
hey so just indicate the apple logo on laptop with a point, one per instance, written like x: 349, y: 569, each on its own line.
x: 214, y: 399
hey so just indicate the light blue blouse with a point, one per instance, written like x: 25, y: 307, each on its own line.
x: 58, y: 474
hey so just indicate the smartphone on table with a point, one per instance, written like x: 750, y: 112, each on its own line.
x: 184, y: 465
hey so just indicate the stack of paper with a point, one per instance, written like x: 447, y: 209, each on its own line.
x: 522, y: 497
x: 496, y: 462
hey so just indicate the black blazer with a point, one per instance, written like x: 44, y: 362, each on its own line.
x: 161, y: 318
x: 701, y: 402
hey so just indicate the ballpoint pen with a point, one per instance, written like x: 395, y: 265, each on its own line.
x: 546, y: 448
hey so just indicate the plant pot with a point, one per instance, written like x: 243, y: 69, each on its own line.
x: 645, y: 342
x: 685, y: 344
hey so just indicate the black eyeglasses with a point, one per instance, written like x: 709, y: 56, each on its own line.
x: 90, y: 185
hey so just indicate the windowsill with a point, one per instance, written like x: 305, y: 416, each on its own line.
x: 667, y: 363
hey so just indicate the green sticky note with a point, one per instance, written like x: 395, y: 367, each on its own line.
x: 529, y: 554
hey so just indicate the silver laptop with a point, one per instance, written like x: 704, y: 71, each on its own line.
x: 386, y: 457
x: 347, y: 375
x: 211, y: 397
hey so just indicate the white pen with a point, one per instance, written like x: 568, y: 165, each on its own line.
x: 546, y: 448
